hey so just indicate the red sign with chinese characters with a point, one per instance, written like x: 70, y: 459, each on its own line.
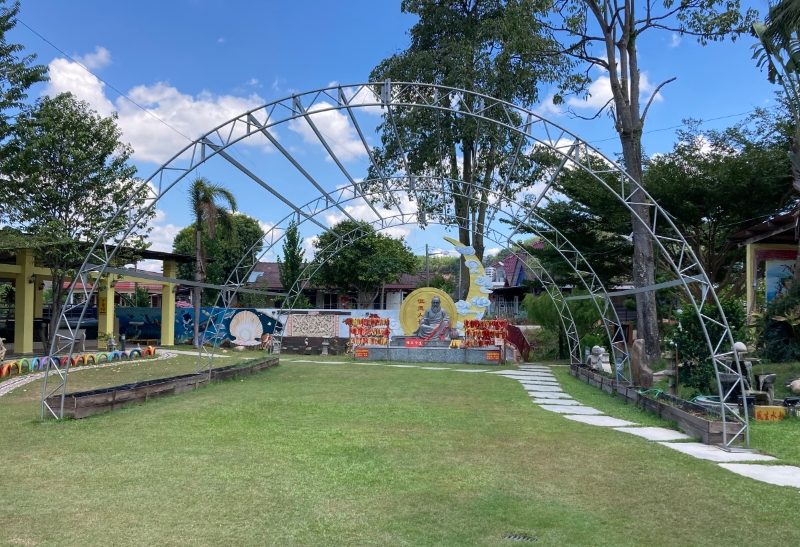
x: 362, y: 353
x: 493, y: 356
x: 415, y: 342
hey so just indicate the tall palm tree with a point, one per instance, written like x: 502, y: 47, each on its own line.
x: 207, y: 201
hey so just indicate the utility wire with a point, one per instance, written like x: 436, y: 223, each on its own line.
x: 121, y: 94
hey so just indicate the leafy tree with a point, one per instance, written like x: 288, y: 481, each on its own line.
x: 230, y: 244
x: 494, y: 47
x: 779, y: 51
x: 543, y: 312
x: 364, y: 265
x: 16, y: 74
x: 141, y: 298
x: 68, y: 173
x: 292, y: 266
x: 206, y: 200
x: 446, y: 284
x: 604, y: 34
x: 707, y: 183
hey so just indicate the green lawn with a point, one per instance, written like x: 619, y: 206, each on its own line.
x: 316, y: 454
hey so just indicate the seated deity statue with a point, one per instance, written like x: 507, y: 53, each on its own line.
x: 435, y: 323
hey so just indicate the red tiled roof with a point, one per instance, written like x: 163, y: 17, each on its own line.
x: 270, y: 272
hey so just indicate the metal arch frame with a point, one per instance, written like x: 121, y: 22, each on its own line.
x: 393, y: 96
x: 596, y: 289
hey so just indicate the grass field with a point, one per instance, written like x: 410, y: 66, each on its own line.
x: 346, y: 454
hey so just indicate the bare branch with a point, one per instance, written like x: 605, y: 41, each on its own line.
x: 653, y: 96
x: 576, y: 115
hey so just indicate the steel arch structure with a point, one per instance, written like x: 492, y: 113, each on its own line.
x: 392, y: 98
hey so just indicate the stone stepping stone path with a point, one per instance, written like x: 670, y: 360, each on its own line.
x: 579, y: 409
x: 655, y: 433
x: 549, y: 395
x: 780, y: 475
x: 545, y: 391
x: 562, y: 402
x: 601, y: 421
x: 716, y: 454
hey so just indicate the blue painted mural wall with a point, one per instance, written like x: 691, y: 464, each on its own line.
x: 146, y: 323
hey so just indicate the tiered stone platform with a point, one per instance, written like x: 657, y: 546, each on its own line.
x: 405, y: 348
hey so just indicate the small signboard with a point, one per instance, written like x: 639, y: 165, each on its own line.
x: 493, y: 355
x: 415, y: 343
x: 102, y: 305
x: 362, y: 353
x: 770, y: 413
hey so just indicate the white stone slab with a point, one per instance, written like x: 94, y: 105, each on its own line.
x: 603, y: 421
x: 562, y: 402
x: 532, y: 367
x: 435, y: 368
x: 371, y: 364
x: 563, y: 409
x: 655, y: 433
x: 533, y: 385
x: 403, y: 366
x: 502, y: 372
x: 529, y: 376
x: 468, y: 370
x: 715, y: 454
x: 780, y: 475
x: 543, y: 388
x: 549, y: 395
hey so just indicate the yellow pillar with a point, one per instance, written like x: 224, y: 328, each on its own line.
x: 23, y: 304
x: 750, y: 266
x: 105, y: 308
x: 168, y: 305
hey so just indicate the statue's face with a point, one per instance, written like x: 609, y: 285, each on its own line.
x: 435, y: 303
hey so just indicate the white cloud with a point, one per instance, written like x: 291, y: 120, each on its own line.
x: 99, y: 59
x: 253, y: 81
x: 335, y: 128
x: 220, y: 40
x: 308, y: 247
x: 675, y: 40
x: 152, y: 140
x: 599, y: 93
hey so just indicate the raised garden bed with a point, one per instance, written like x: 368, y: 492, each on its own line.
x: 86, y: 403
x: 694, y: 419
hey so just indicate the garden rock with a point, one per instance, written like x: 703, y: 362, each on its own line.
x: 795, y: 387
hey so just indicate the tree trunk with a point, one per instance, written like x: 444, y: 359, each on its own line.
x: 643, y: 259
x: 794, y: 156
x: 197, y: 291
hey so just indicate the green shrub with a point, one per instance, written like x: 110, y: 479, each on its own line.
x: 779, y: 339
x: 697, y: 371
x: 544, y: 344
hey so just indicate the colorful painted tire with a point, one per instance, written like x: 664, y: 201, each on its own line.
x: 78, y: 361
x: 24, y: 361
x: 34, y: 364
x: 123, y: 355
x: 101, y: 355
x: 66, y: 359
x: 112, y: 355
x: 91, y: 358
x: 130, y: 353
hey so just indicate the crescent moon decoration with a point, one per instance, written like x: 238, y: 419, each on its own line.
x: 480, y: 286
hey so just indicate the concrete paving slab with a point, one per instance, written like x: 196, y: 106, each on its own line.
x: 435, y: 368
x: 403, y: 366
x: 542, y: 388
x: 655, y: 433
x: 549, y: 395
x: 467, y: 370
x: 715, y: 454
x: 780, y: 475
x: 564, y: 409
x: 562, y: 402
x: 529, y: 383
x: 603, y: 421
x: 531, y: 366
x: 502, y: 372
x: 533, y: 375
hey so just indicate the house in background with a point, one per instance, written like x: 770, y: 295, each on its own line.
x: 266, y: 276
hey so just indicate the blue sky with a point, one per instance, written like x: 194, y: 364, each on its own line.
x: 196, y: 63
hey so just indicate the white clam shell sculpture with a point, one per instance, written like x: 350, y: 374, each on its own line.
x: 246, y: 327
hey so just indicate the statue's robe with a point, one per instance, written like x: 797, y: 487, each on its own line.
x: 434, y: 325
